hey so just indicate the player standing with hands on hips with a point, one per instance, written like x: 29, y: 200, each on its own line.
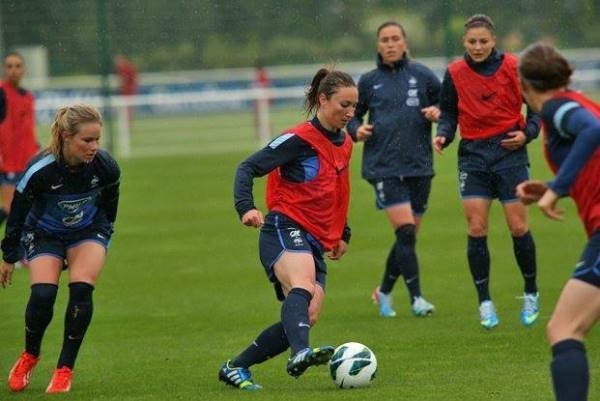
x: 64, y: 210
x: 572, y: 149
x: 307, y: 194
x: 481, y: 94
x: 400, y: 96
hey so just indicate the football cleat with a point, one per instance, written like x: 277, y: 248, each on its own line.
x: 531, y: 309
x: 297, y: 364
x: 420, y: 307
x: 487, y: 315
x: 61, y: 380
x: 384, y: 301
x: 237, y: 377
x: 19, y: 375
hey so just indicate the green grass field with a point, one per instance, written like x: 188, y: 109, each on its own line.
x: 183, y: 289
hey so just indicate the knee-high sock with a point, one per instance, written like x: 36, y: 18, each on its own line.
x: 570, y: 371
x: 294, y: 316
x: 478, y: 255
x: 270, y: 343
x: 524, y: 248
x: 38, y: 315
x: 77, y: 319
x: 392, y: 271
x: 403, y: 261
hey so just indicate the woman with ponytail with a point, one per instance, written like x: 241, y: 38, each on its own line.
x: 62, y: 217
x: 307, y: 196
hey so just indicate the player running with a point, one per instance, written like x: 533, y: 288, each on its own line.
x: 572, y: 149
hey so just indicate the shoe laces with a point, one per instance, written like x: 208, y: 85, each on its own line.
x: 62, y: 377
x: 486, y: 309
x: 530, y: 303
x: 26, y: 363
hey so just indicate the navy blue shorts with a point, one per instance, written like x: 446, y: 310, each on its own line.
x: 10, y: 178
x: 588, y: 267
x: 398, y: 190
x: 492, y: 184
x: 280, y: 234
x: 40, y: 244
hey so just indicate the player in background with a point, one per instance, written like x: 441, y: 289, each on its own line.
x: 307, y: 196
x: 481, y: 94
x: 400, y: 96
x: 18, y: 143
x: 63, y: 211
x: 128, y: 80
x: 572, y: 149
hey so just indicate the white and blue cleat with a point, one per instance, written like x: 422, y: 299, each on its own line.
x: 531, y: 309
x: 421, y: 307
x: 487, y: 315
x: 308, y: 357
x: 384, y: 302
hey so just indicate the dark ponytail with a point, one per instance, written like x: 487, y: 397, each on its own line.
x: 328, y: 82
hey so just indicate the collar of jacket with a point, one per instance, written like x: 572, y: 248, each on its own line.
x: 397, y: 65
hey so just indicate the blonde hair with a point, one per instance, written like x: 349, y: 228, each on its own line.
x: 69, y: 119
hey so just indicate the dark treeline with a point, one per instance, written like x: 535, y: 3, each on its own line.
x: 196, y: 34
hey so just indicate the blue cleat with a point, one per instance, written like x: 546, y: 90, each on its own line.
x: 384, y: 301
x: 487, y: 315
x: 531, y: 309
x: 308, y: 357
x: 421, y: 307
x: 237, y: 377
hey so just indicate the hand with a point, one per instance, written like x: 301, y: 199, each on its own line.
x: 364, y: 132
x: 253, y: 218
x: 517, y: 140
x: 530, y: 191
x: 6, y: 271
x: 547, y: 204
x: 338, y: 251
x: 431, y: 113
x: 438, y: 144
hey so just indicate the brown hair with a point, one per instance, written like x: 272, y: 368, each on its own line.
x: 480, y: 21
x: 391, y: 23
x: 543, y: 68
x: 326, y: 81
x: 69, y: 119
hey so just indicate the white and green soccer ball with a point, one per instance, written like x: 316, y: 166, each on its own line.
x: 352, y: 365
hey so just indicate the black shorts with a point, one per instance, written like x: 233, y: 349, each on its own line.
x: 39, y: 244
x: 280, y: 234
x: 500, y: 184
x: 394, y: 191
x: 588, y: 267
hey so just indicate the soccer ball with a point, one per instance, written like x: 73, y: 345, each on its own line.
x: 352, y: 365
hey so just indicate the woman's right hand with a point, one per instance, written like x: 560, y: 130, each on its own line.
x: 6, y: 271
x: 438, y: 144
x: 531, y: 191
x: 253, y: 218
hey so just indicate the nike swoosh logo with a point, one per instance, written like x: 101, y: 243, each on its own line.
x: 56, y: 186
x: 377, y: 86
x: 303, y: 325
x: 485, y: 98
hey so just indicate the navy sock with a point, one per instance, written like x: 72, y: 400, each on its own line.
x: 294, y: 317
x: 391, y: 273
x: 570, y: 371
x: 38, y: 315
x: 77, y: 319
x: 270, y: 343
x: 524, y: 249
x: 406, y: 238
x: 478, y: 255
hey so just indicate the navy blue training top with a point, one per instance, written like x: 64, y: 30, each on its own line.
x: 54, y: 199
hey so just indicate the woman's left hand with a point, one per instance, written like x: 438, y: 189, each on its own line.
x: 338, y: 251
x: 431, y: 113
x: 517, y: 140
